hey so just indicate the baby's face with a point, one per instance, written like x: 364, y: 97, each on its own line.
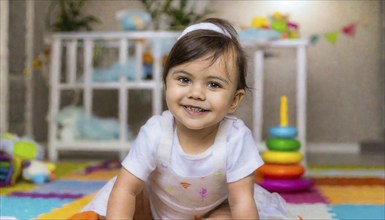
x: 200, y: 93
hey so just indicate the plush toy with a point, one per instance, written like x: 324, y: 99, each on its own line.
x: 37, y: 171
x: 281, y: 23
x: 67, y: 119
x: 23, y: 148
x: 22, y: 157
x: 75, y: 125
x: 260, y: 22
x: 133, y: 20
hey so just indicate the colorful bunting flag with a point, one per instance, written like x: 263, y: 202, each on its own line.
x: 314, y: 39
x: 350, y: 29
x: 332, y: 36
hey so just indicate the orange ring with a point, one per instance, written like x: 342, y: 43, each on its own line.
x: 277, y: 171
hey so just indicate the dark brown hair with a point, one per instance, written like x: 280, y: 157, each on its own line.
x: 200, y: 43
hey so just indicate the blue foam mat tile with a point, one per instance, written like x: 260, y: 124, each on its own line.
x: 358, y: 212
x: 70, y: 187
x: 28, y: 208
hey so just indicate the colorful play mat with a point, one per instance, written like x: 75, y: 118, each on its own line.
x: 338, y: 192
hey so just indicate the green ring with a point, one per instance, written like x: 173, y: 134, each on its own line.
x: 283, y: 144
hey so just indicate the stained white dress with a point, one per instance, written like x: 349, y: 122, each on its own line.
x: 182, y: 186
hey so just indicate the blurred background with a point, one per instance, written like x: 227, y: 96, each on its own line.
x: 345, y: 69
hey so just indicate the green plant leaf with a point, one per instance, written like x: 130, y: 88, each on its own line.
x: 70, y: 16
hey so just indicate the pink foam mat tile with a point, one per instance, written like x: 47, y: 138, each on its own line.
x: 310, y: 196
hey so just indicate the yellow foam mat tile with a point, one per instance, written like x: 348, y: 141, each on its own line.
x: 67, y: 210
x: 96, y: 175
x: 65, y: 168
x: 373, y: 195
x: 19, y: 186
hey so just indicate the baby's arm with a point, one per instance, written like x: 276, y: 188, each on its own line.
x: 241, y: 199
x: 121, y: 204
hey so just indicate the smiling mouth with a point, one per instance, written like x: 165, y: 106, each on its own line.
x: 195, y: 109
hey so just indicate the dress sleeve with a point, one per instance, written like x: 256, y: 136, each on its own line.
x: 141, y: 160
x: 242, y: 152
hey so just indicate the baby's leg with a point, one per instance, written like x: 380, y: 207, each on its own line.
x: 220, y: 212
x: 142, y: 206
x: 142, y: 210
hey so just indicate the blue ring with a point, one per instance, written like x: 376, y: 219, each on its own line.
x: 283, y: 132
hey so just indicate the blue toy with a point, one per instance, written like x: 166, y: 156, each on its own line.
x: 75, y: 125
x: 133, y: 20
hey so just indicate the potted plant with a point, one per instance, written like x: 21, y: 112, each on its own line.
x: 175, y: 12
x: 70, y: 16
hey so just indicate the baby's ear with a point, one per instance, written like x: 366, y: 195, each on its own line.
x: 238, y: 97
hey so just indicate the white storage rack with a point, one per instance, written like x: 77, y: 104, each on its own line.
x: 72, y: 42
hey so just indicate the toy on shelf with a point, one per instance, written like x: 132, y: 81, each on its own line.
x: 133, y: 20
x: 282, y: 171
x: 281, y: 23
x: 75, y: 125
x: 260, y: 22
x: 276, y: 26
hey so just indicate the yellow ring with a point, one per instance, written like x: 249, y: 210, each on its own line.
x: 281, y: 157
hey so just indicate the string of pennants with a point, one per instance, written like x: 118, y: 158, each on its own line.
x: 348, y: 30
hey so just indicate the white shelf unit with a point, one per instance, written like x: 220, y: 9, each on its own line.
x: 71, y: 42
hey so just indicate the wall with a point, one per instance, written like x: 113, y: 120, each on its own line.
x: 16, y: 87
x: 4, y: 70
x: 345, y: 80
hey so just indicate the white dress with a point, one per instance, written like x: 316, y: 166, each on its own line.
x: 182, y: 186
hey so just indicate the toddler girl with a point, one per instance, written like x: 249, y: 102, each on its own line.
x: 195, y: 160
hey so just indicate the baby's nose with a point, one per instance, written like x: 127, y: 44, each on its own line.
x: 197, y: 91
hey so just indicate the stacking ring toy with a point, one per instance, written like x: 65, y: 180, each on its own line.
x: 286, y: 185
x: 283, y: 132
x: 277, y: 171
x: 281, y: 157
x: 282, y: 144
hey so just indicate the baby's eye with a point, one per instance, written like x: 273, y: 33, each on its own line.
x: 183, y: 80
x: 214, y: 85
